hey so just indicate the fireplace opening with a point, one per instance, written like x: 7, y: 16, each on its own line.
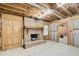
x: 34, y: 37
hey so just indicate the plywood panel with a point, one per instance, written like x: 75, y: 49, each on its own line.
x: 0, y: 30
x: 6, y: 31
x: 17, y: 31
x: 11, y: 31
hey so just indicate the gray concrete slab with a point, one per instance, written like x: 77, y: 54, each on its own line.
x: 49, y: 48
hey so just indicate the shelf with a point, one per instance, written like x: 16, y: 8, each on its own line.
x: 33, y: 27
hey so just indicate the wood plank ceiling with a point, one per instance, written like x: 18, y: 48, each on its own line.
x: 44, y: 11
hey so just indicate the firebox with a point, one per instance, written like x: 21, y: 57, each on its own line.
x: 34, y: 37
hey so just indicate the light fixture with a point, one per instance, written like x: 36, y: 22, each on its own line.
x: 60, y: 4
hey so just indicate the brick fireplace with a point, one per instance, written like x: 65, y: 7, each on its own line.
x: 33, y: 34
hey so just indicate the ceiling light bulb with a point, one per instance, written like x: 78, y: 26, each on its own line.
x: 60, y: 4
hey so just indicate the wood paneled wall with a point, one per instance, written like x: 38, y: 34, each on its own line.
x: 12, y: 28
x: 0, y: 30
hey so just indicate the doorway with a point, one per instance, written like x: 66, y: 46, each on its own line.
x: 62, y: 33
x: 59, y: 32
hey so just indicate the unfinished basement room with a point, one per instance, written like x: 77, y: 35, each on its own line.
x: 39, y: 29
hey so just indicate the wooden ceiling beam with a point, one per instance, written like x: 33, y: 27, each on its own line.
x: 36, y: 6
x: 17, y: 6
x: 31, y: 9
x: 11, y: 12
x: 66, y: 11
x: 31, y: 6
x: 28, y: 5
x: 25, y: 5
x: 76, y: 7
x: 48, y: 5
x: 43, y: 5
x: 54, y: 13
x: 59, y: 14
x: 4, y: 8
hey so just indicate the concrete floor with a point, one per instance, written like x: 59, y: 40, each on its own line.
x: 49, y: 48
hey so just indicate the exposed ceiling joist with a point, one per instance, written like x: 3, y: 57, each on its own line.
x: 76, y: 7
x: 6, y: 9
x: 11, y: 12
x: 25, y: 4
x: 45, y: 9
x: 31, y: 9
x: 67, y: 11
x: 43, y: 5
x: 58, y: 15
x: 36, y: 5
x: 17, y: 7
x: 30, y: 6
x: 54, y: 12
x: 48, y: 5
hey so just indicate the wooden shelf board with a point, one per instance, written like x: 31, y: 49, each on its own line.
x: 33, y: 27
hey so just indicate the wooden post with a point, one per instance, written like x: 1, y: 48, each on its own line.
x: 23, y: 45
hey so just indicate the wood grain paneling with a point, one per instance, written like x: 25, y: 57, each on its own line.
x: 11, y: 31
x: 0, y: 30
x: 6, y: 31
x: 17, y: 31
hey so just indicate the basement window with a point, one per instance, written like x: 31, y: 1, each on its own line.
x: 45, y: 30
